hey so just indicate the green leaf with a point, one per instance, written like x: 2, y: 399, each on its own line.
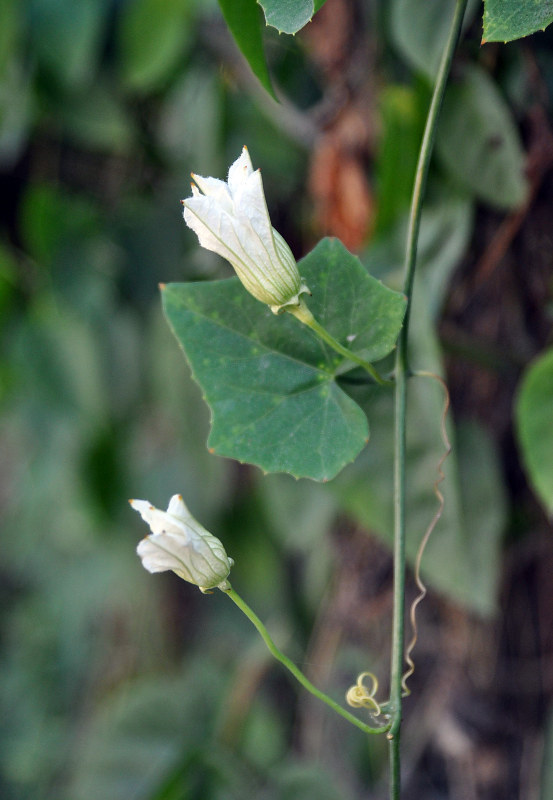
x: 289, y: 16
x: 243, y: 18
x: 152, y: 37
x: 534, y: 415
x: 305, y: 781
x: 270, y: 383
x: 192, y: 138
x: 478, y: 142
x: 137, y: 739
x: 419, y: 29
x: 445, y: 231
x: 9, y: 33
x: 98, y: 121
x: 484, y: 508
x: 67, y: 42
x: 16, y: 111
x: 403, y: 117
x: 51, y: 217
x: 299, y: 512
x: 505, y: 20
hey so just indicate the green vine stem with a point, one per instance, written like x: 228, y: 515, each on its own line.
x: 291, y: 667
x: 304, y: 315
x: 401, y: 375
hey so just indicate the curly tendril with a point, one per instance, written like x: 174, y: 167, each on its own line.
x: 424, y: 541
x: 359, y: 696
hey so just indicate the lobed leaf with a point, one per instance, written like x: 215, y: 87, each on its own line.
x: 269, y: 382
x: 505, y: 20
x: 289, y: 16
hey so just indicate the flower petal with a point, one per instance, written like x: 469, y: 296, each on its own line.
x: 227, y: 236
x: 160, y: 552
x: 213, y: 187
x: 159, y: 521
x: 205, y: 216
x: 239, y: 171
x: 177, y: 507
x: 250, y: 206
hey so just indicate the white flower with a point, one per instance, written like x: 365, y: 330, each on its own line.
x: 232, y: 220
x: 179, y: 543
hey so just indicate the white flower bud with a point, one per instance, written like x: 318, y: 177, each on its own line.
x: 179, y: 543
x: 231, y: 219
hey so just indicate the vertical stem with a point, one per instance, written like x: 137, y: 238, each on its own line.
x: 401, y: 374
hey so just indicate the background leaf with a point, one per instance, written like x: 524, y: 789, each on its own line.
x: 446, y: 228
x: 152, y: 39
x: 505, y: 20
x: 419, y: 29
x: 9, y: 33
x: 403, y: 113
x: 138, y: 737
x: 67, y: 45
x: 243, y: 18
x: 268, y: 380
x: 98, y: 120
x: 534, y: 415
x: 478, y: 141
x: 460, y: 560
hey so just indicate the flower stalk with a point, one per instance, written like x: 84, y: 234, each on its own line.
x: 304, y: 315
x: 297, y: 673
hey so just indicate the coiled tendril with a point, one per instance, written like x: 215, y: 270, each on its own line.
x: 359, y: 696
x: 433, y: 522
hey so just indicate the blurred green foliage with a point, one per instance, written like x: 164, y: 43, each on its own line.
x: 114, y: 683
x: 534, y: 411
